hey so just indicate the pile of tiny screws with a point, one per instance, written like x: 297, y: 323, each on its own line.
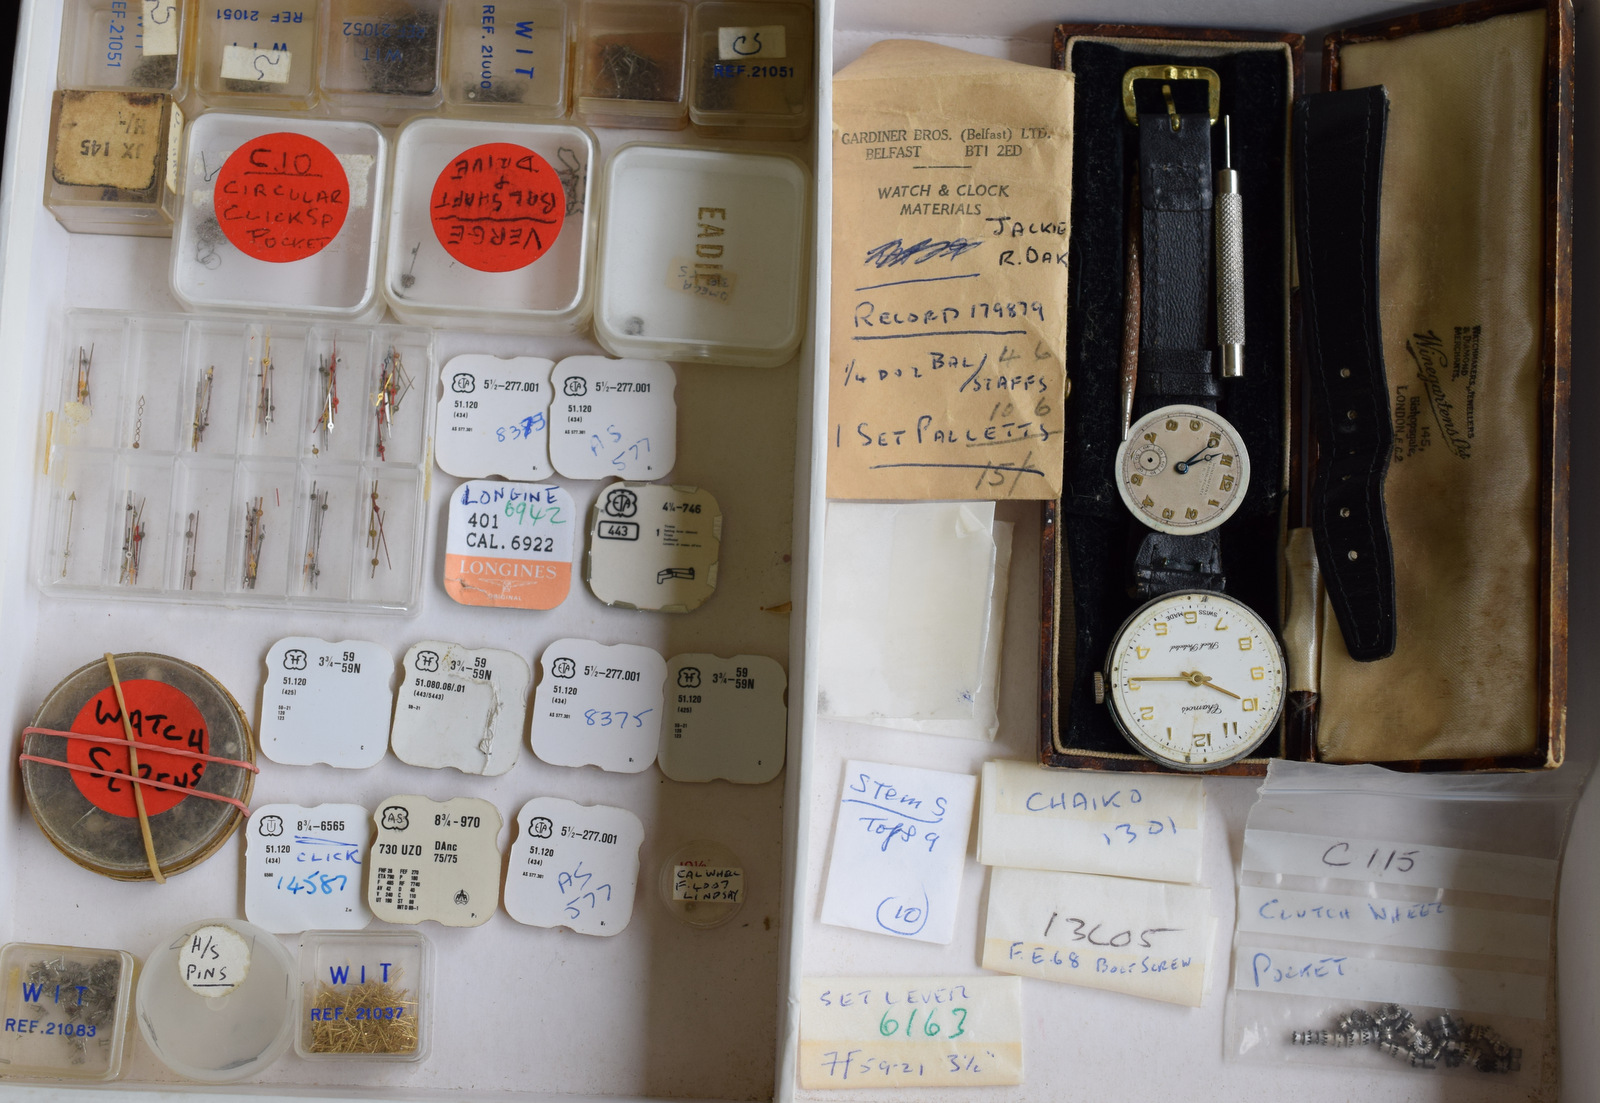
x: 356, y: 1029
x: 1447, y: 1039
x: 405, y: 62
x: 626, y: 74
x: 87, y: 994
x: 160, y: 71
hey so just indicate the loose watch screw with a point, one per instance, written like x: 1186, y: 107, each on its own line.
x: 1099, y: 688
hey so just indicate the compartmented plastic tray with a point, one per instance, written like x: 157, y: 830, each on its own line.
x: 207, y: 460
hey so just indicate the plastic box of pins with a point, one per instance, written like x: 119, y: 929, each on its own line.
x: 229, y: 462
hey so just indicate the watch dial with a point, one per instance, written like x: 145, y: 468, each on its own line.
x: 1183, y: 469
x: 1196, y: 680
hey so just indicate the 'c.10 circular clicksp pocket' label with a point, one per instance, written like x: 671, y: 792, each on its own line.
x: 654, y: 547
x: 435, y: 860
x: 598, y: 705
x: 574, y: 865
x: 497, y: 207
x: 509, y: 545
x: 281, y: 197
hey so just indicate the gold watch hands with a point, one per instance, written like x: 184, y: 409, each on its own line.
x: 1193, y: 677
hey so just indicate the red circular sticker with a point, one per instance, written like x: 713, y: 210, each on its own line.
x: 281, y: 197
x: 160, y: 716
x: 498, y: 207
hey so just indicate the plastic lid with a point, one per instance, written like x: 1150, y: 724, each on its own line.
x: 364, y: 995
x: 216, y: 1000
x: 702, y: 255
x: 65, y: 1011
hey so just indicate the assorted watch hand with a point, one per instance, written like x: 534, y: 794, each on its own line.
x: 1194, y: 678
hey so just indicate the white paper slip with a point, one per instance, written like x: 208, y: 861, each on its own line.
x: 214, y: 961
x: 494, y: 417
x: 728, y: 719
x: 899, y: 843
x: 654, y: 547
x: 598, y: 705
x: 746, y: 43
x: 910, y: 1032
x: 435, y: 860
x: 159, y: 33
x: 1345, y: 977
x: 1088, y: 821
x: 460, y: 708
x: 302, y: 868
x: 613, y: 418
x: 707, y: 882
x: 509, y: 545
x: 1144, y: 938
x: 1430, y: 925
x: 984, y: 723
x: 574, y: 865
x: 326, y: 702
x: 1361, y: 859
x: 253, y: 63
x: 905, y: 608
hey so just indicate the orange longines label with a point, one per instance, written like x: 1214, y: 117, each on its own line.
x: 160, y: 716
x: 281, y: 197
x: 513, y: 583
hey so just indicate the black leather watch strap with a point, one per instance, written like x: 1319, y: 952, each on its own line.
x: 1175, y: 357
x: 1167, y: 563
x: 1338, y: 156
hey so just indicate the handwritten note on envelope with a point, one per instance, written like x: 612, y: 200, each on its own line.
x: 899, y: 843
x: 1140, y: 937
x: 951, y: 198
x: 902, y: 1032
x: 1125, y: 825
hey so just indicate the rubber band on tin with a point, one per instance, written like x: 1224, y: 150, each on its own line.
x: 181, y: 752
x: 97, y: 772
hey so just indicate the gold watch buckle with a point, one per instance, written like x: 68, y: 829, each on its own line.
x: 1172, y: 73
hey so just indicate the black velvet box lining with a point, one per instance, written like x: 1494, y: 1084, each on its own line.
x: 1099, y: 535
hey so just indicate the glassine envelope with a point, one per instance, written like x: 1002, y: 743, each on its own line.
x: 951, y: 201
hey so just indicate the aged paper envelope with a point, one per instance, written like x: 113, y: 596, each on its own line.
x: 951, y: 192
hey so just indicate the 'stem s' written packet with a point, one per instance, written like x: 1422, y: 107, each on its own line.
x: 951, y: 191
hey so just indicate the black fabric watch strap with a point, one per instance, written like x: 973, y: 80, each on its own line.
x: 1338, y: 156
x: 1175, y: 357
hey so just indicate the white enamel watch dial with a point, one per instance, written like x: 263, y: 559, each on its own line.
x: 1183, y: 469
x: 1195, y: 680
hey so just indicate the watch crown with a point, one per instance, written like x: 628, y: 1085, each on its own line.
x: 1099, y: 688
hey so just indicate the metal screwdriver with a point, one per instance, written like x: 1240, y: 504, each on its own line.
x: 1230, y: 261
